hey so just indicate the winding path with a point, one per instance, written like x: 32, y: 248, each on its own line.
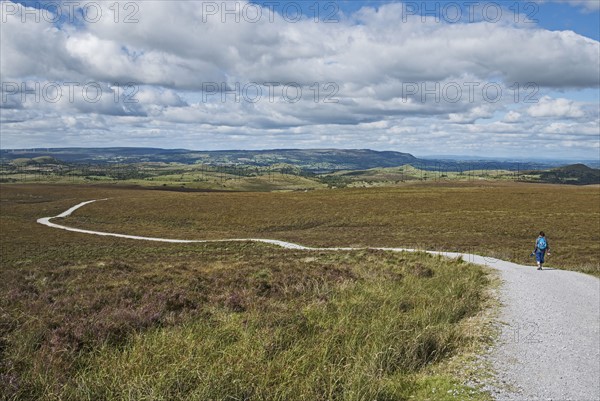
x: 549, y: 347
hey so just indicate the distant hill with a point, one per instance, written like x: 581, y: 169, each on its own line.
x: 577, y: 174
x: 311, y: 159
x: 577, y: 169
x: 93, y: 155
x: 25, y: 161
x: 318, y: 159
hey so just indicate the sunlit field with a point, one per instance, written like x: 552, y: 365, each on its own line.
x: 91, y: 318
x: 87, y: 317
x: 493, y: 219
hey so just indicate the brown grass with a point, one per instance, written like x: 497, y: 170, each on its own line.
x: 87, y: 317
x: 494, y: 219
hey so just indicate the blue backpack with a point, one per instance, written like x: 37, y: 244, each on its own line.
x: 542, y: 244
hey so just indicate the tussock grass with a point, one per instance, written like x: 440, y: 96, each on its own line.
x: 92, y: 318
x: 366, y: 336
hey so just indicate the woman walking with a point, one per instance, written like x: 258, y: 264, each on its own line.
x: 541, y: 247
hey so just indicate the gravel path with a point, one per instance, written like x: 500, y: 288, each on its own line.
x: 549, y: 347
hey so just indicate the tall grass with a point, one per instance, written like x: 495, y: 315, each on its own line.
x: 86, y: 317
x: 92, y: 318
x: 363, y: 339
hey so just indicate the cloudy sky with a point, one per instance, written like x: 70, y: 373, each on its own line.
x: 504, y: 78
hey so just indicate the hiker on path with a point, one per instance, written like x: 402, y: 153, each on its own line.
x: 541, y: 247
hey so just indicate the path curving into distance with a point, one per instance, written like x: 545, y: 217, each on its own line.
x: 549, y: 346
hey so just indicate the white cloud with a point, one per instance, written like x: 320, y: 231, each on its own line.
x: 187, y: 52
x: 174, y: 51
x: 589, y: 129
x: 472, y: 115
x: 512, y: 117
x: 549, y: 107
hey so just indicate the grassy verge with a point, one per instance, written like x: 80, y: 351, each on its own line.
x: 86, y: 317
x: 366, y: 336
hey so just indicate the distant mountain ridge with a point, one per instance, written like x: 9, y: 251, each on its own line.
x: 310, y: 159
x: 313, y: 160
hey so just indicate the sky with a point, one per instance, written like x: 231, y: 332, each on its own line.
x: 480, y: 78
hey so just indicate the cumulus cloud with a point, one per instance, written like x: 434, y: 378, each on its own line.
x: 179, y: 70
x: 512, y: 117
x: 471, y: 116
x: 549, y: 107
x: 588, y: 129
x: 184, y: 53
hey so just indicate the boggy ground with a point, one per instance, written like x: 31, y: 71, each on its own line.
x: 490, y: 218
x: 86, y: 317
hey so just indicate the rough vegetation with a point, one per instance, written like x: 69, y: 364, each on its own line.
x: 90, y: 318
